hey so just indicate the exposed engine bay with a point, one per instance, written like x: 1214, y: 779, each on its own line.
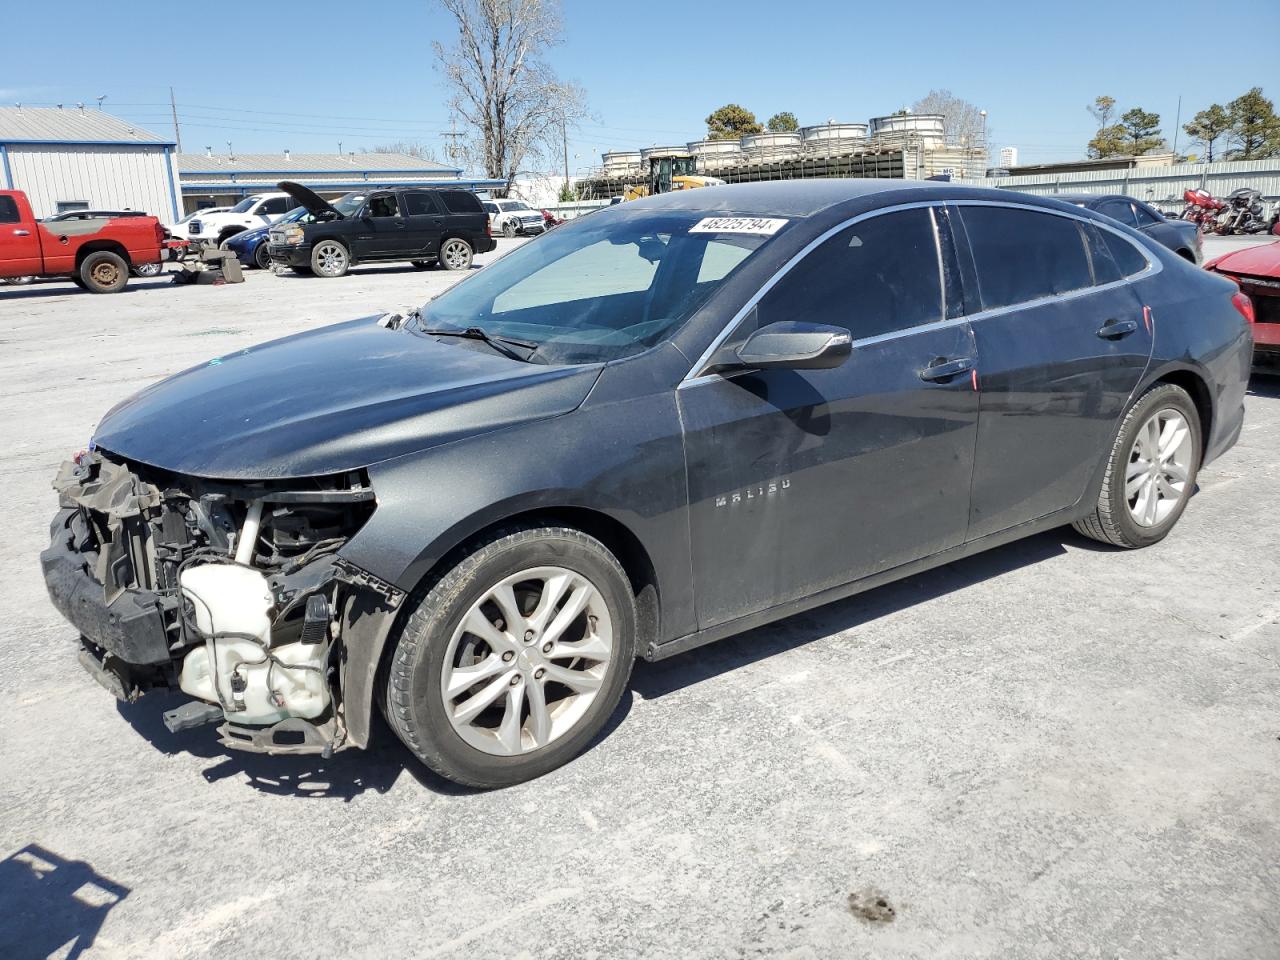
x: 231, y: 592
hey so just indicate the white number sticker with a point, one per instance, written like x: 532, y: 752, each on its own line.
x: 759, y: 225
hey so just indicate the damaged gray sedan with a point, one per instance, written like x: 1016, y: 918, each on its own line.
x: 651, y: 428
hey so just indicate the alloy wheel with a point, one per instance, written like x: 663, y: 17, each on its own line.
x: 526, y: 661
x: 1159, y: 467
x: 331, y: 258
x: 456, y: 254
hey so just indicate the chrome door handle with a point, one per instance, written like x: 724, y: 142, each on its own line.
x: 22, y: 233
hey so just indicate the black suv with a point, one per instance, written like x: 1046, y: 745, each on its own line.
x: 422, y: 226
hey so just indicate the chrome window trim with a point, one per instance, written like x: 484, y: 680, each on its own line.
x: 1154, y: 266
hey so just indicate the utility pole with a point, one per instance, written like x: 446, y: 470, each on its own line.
x: 564, y: 136
x: 1177, y: 125
x: 173, y: 106
x: 453, y: 136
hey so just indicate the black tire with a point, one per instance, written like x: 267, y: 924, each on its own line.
x: 1111, y: 520
x: 104, y: 272
x: 262, y: 257
x: 412, y: 701
x: 455, y: 254
x: 75, y: 278
x: 146, y: 270
x: 509, y: 229
x: 330, y: 259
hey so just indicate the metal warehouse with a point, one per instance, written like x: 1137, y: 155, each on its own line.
x: 78, y: 159
x: 210, y: 179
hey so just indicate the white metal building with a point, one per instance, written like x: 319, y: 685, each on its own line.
x: 78, y: 159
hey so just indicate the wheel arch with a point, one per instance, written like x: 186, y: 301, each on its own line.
x: 100, y: 246
x: 1198, y: 388
x: 370, y: 656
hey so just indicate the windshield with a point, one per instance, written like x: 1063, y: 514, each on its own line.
x: 295, y: 215
x: 596, y: 289
x: 518, y: 205
x: 349, y: 204
x: 245, y: 204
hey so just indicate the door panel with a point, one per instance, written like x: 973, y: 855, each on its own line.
x: 805, y: 479
x: 1054, y: 375
x: 425, y: 222
x: 19, y: 241
x: 383, y: 231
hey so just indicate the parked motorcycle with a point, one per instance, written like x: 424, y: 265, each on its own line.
x: 1244, y: 213
x: 1202, y: 209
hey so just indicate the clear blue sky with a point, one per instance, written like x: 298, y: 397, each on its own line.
x: 275, y: 75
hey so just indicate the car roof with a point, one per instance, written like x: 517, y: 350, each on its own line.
x: 1092, y: 197
x: 803, y: 198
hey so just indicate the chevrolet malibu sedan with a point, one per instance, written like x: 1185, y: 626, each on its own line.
x: 660, y: 425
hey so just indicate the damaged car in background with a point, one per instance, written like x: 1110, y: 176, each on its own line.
x: 657, y: 426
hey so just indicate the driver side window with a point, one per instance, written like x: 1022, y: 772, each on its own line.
x: 383, y: 206
x: 877, y: 276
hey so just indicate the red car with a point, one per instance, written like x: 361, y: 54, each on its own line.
x: 1257, y: 271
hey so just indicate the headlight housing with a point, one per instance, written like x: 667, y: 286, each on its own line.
x: 292, y: 234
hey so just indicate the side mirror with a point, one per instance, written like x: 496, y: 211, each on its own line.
x: 795, y: 345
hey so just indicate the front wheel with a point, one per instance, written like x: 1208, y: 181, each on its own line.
x: 329, y: 259
x: 104, y: 272
x: 1151, y: 471
x: 509, y: 229
x: 456, y: 254
x: 262, y: 257
x: 512, y: 662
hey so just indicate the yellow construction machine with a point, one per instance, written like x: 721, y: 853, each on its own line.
x: 672, y: 171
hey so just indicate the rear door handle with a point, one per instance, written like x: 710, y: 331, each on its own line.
x: 1115, y: 329
x: 940, y: 369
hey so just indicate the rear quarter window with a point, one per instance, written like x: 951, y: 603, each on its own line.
x: 1022, y: 255
x: 460, y: 201
x: 9, y: 210
x: 1128, y: 257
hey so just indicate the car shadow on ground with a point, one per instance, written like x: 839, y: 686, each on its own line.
x: 349, y: 773
x: 51, y: 906
x: 1265, y: 385
x: 344, y: 776
x: 653, y: 680
x: 38, y: 291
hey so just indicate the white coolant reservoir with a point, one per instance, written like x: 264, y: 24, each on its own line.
x: 232, y: 599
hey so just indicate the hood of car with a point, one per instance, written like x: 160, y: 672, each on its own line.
x: 247, y: 236
x: 332, y: 399
x: 316, y: 205
x: 1259, y: 261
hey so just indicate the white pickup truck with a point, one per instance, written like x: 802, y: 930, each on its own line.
x: 257, y: 210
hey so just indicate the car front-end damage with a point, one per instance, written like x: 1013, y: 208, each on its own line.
x: 235, y: 593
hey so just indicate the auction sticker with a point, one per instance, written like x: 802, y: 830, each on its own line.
x: 759, y: 225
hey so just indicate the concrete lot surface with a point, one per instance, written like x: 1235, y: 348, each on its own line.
x: 1050, y: 750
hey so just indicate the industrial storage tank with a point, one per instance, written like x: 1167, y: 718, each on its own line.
x: 772, y: 147
x: 833, y: 139
x: 713, y: 154
x: 649, y: 152
x: 927, y: 126
x: 620, y: 162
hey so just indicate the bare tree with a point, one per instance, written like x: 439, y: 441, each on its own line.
x: 962, y: 122
x: 410, y: 148
x: 512, y: 101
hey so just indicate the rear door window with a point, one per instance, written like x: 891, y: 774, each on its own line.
x: 1120, y: 210
x: 419, y: 204
x: 9, y: 210
x: 460, y: 201
x: 878, y: 276
x: 1022, y: 255
x: 1145, y: 217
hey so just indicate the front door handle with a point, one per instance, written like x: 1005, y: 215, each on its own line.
x: 942, y: 369
x: 22, y: 233
x: 1115, y: 329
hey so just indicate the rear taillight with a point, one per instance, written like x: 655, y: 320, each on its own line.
x: 1244, y: 305
x: 488, y: 225
x: 161, y: 234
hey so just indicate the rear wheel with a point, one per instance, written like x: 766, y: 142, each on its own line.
x: 456, y: 254
x: 330, y: 259
x: 262, y: 257
x: 148, y: 269
x: 512, y: 662
x: 104, y: 272
x: 1151, y: 471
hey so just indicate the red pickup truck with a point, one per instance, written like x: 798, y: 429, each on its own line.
x: 96, y: 253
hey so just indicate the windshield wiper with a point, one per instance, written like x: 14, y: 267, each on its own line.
x: 499, y: 343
